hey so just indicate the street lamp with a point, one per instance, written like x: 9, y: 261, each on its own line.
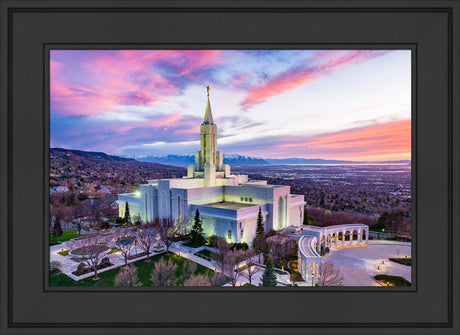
x: 312, y: 275
x: 392, y: 223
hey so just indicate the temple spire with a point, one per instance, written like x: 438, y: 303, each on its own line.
x: 208, y: 115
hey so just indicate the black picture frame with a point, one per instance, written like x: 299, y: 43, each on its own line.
x: 28, y: 29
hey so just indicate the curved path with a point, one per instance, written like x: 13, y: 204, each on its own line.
x: 360, y: 263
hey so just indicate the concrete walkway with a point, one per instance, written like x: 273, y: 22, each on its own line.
x: 69, y: 265
x: 359, y: 264
x: 179, y: 249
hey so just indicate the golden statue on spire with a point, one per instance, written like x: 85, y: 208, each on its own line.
x: 207, y: 88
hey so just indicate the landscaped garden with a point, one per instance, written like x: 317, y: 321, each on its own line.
x: 144, y: 271
x: 66, y: 235
x: 403, y: 261
x: 289, y: 264
x: 205, y: 254
x: 388, y: 280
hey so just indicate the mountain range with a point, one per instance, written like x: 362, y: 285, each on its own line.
x: 236, y: 160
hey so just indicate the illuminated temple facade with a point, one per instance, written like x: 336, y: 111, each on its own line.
x: 228, y: 204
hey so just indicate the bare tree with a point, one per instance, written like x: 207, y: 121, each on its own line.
x: 127, y: 277
x: 251, y: 268
x: 167, y: 230
x: 188, y: 270
x: 90, y: 250
x: 146, y: 236
x: 217, y: 279
x: 260, y: 246
x: 221, y: 247
x: 125, y: 240
x: 198, y: 280
x: 330, y: 275
x: 232, y: 260
x: 96, y: 213
x: 163, y: 273
x: 79, y: 212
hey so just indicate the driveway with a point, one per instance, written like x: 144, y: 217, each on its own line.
x: 359, y: 264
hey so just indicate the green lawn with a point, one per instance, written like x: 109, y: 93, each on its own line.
x: 143, y: 273
x: 66, y: 235
x: 403, y: 261
x: 393, y: 280
x: 205, y: 254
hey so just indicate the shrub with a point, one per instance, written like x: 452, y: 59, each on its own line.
x: 405, y: 261
x: 179, y: 237
x: 240, y: 246
x: 64, y: 252
x: 127, y: 277
x: 81, y: 270
x: 105, y: 225
x: 393, y: 280
x: 105, y: 262
x: 212, y: 240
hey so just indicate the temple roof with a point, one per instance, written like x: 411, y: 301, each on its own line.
x: 208, y: 115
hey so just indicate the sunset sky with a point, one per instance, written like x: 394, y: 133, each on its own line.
x: 330, y: 104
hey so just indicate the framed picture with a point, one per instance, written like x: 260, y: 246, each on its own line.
x: 207, y: 90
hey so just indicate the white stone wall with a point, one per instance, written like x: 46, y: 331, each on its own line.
x: 175, y: 198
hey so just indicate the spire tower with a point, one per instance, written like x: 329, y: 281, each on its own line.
x: 208, y: 114
x: 208, y: 160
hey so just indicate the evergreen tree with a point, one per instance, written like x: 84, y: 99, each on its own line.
x: 260, y: 224
x: 127, y: 212
x: 196, y: 234
x: 259, y: 244
x: 57, y: 228
x: 269, y: 275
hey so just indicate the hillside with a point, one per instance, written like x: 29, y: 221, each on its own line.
x: 91, y: 172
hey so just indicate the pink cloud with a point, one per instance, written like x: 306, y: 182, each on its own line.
x: 291, y: 80
x: 278, y: 86
x: 126, y: 77
x: 392, y: 139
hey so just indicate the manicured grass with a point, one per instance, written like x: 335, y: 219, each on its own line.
x: 54, y: 272
x: 66, y: 235
x: 144, y: 271
x: 404, y: 261
x: 393, y: 280
x: 205, y: 254
x: 64, y: 252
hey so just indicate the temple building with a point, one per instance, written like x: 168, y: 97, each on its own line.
x: 228, y: 204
